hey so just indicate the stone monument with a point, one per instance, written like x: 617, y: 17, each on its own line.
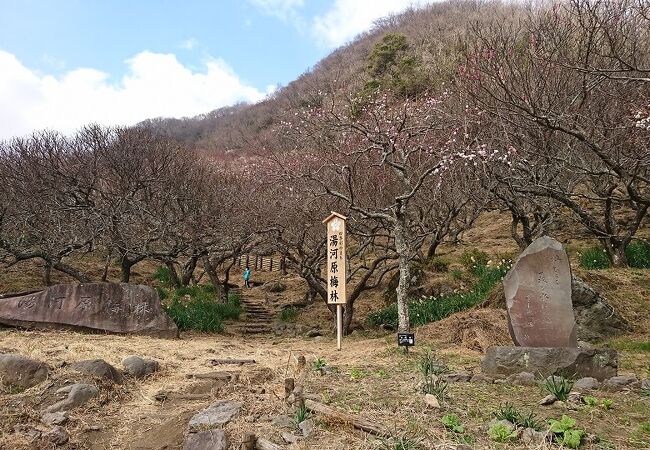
x: 538, y: 297
x: 96, y: 307
x: 541, y: 320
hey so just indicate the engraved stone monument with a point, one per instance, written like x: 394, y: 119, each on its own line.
x: 541, y: 320
x: 97, y: 307
x: 538, y: 297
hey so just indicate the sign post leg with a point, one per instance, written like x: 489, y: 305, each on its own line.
x: 339, y: 326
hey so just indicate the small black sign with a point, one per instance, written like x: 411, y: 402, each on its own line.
x: 406, y: 339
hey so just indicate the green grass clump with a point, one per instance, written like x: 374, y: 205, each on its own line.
x: 637, y: 254
x: 196, y: 308
x: 560, y: 387
x: 300, y: 415
x: 565, y: 433
x: 500, y: 432
x: 594, y: 258
x: 163, y: 275
x: 511, y: 414
x: 452, y: 422
x: 473, y: 260
x: 425, y: 310
x: 289, y: 314
x: 318, y: 363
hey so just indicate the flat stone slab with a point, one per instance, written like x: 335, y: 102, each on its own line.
x: 97, y: 307
x: 538, y: 297
x: 215, y: 415
x: 206, y: 440
x: 545, y: 361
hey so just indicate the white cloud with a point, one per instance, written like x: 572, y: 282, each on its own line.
x: 283, y: 9
x: 347, y: 18
x: 155, y: 85
x: 189, y: 44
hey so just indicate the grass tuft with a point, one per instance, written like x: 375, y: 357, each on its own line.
x: 594, y: 258
x: 196, y: 308
x: 558, y: 386
x: 431, y: 309
x: 289, y: 314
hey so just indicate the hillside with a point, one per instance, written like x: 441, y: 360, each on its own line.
x: 453, y: 138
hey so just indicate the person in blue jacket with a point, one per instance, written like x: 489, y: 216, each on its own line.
x: 247, y: 277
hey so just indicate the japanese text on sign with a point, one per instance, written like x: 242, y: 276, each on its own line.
x: 336, y: 264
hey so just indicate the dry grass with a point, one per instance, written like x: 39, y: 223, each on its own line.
x: 374, y: 380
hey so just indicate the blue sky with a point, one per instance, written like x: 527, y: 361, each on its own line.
x: 64, y: 63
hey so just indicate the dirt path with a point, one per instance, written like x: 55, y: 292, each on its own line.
x: 371, y: 379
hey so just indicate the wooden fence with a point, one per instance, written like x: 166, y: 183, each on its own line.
x: 261, y: 262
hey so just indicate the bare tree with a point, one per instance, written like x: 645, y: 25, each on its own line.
x: 567, y: 89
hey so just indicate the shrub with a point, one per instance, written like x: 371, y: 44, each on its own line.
x: 318, y: 363
x: 638, y: 254
x: 474, y: 259
x: 607, y: 403
x: 565, y: 433
x: 431, y: 369
x: 289, y: 314
x: 429, y: 365
x: 511, y: 414
x: 558, y: 386
x: 590, y: 400
x: 300, y: 415
x: 594, y: 258
x: 500, y: 432
x: 163, y: 275
x: 431, y: 309
x: 437, y: 265
x: 195, y: 308
x: 452, y: 422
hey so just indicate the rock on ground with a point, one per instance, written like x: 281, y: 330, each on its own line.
x: 521, y: 378
x: 586, y: 384
x: 621, y: 382
x: 57, y: 436
x: 565, y: 361
x: 307, y: 427
x: 206, y: 440
x: 596, y: 319
x: 78, y: 394
x: 20, y: 371
x: 54, y: 418
x: 105, y: 307
x: 290, y: 438
x: 282, y: 422
x: 217, y: 414
x: 138, y: 367
x: 457, y: 377
x: 98, y: 368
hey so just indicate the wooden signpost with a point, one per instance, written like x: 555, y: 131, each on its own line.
x: 336, y: 269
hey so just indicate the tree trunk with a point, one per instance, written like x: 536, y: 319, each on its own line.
x: 173, y: 275
x: 615, y: 248
x: 348, y: 312
x: 431, y: 252
x: 188, y: 270
x: 402, y: 247
x: 47, y: 274
x: 106, y: 266
x: 214, y: 278
x: 69, y: 270
x: 125, y: 264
